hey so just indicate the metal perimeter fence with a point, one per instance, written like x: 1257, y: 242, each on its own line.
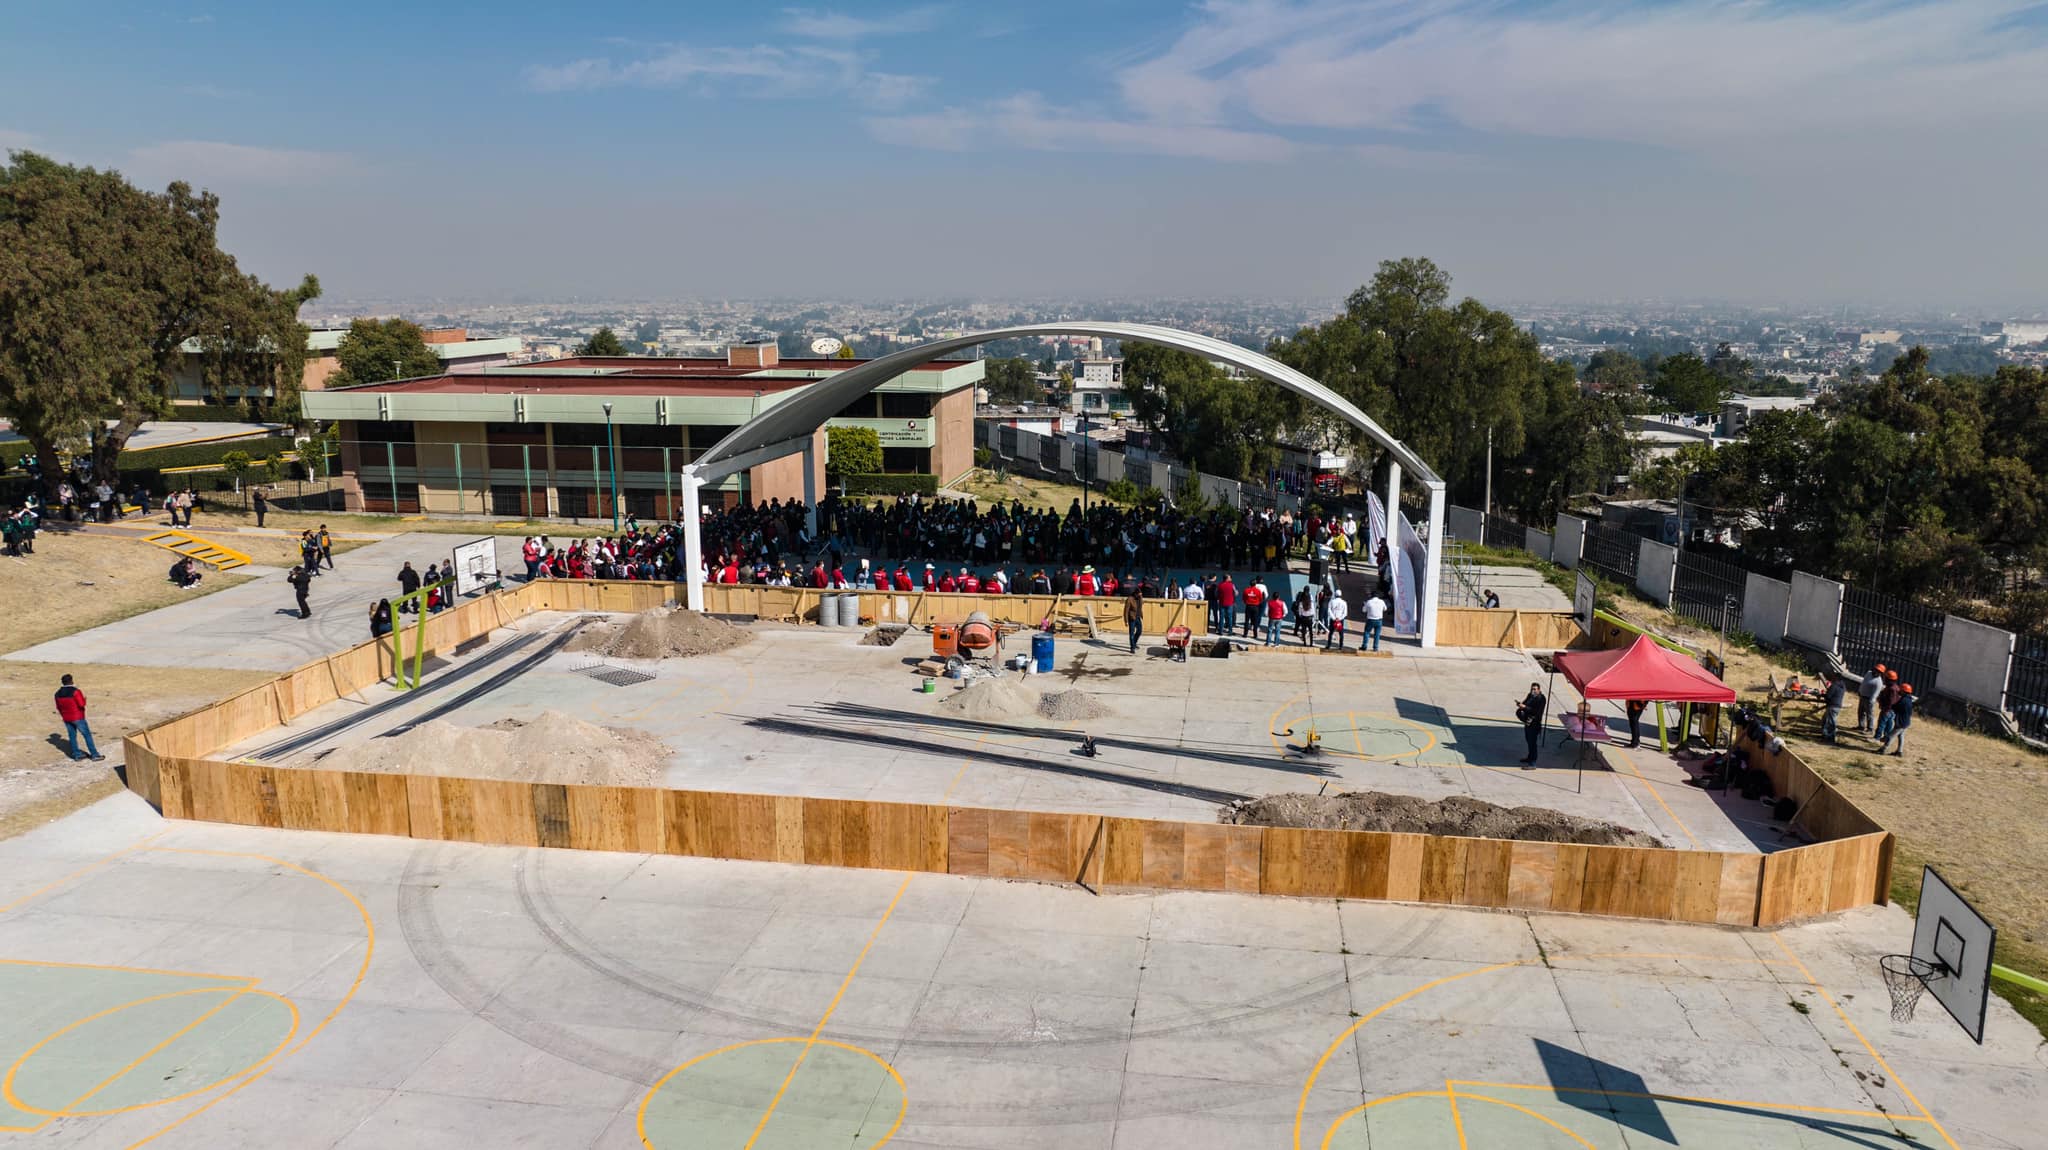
x: 1902, y: 635
x: 1613, y: 552
x: 2026, y: 687
x: 1709, y: 591
x: 1502, y: 532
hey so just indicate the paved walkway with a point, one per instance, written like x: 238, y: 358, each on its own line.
x: 256, y: 625
x: 317, y: 991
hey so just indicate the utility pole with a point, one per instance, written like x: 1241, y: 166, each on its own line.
x: 1489, y: 473
x: 611, y: 450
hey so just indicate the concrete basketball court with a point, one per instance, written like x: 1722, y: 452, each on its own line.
x: 199, y: 985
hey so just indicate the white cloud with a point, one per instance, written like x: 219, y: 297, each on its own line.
x: 1027, y: 121
x: 825, y: 24
x: 210, y: 162
x: 1690, y: 74
x: 891, y: 89
x: 762, y: 71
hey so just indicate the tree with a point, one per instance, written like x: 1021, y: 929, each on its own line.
x: 1208, y: 420
x: 237, y: 465
x: 1612, y: 370
x: 102, y: 286
x: 1686, y: 384
x: 1013, y: 381
x: 1734, y: 370
x: 845, y: 352
x: 648, y: 333
x: 605, y: 342
x: 853, y: 451
x: 376, y: 351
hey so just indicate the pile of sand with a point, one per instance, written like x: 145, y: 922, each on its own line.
x: 552, y: 748
x: 1457, y: 815
x: 661, y: 634
x: 1064, y: 705
x: 1005, y: 698
x: 884, y: 635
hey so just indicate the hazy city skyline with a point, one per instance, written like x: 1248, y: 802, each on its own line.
x: 1861, y: 153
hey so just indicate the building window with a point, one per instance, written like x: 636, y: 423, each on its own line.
x: 906, y: 404
x: 703, y: 437
x: 648, y: 435
x: 862, y: 408
x: 575, y: 502
x: 905, y: 460
x: 579, y: 435
x: 516, y: 433
x: 375, y: 431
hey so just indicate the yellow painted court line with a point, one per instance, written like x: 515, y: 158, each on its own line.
x: 362, y: 972
x: 82, y: 871
x: 234, y: 978
x: 1446, y: 1093
x: 827, y: 1017
x: 1893, y: 1075
x: 1357, y: 740
x: 1457, y: 1121
x: 181, y: 1032
x: 1654, y: 793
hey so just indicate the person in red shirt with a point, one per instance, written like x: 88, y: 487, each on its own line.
x: 71, y: 709
x: 818, y: 576
x: 1276, y: 614
x: 1226, y: 601
x: 902, y: 579
x: 1254, y: 608
x: 970, y: 584
x: 1084, y: 583
x: 730, y: 573
x: 931, y: 581
x: 1110, y: 585
x: 946, y: 585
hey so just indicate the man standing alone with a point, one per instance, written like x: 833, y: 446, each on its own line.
x: 1375, y: 618
x: 1838, y: 693
x: 301, y: 581
x: 1339, y: 611
x: 1530, y: 712
x: 71, y: 709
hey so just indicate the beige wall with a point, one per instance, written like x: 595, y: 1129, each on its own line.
x: 953, y: 423
x: 784, y: 478
x: 318, y: 369
x: 436, y: 453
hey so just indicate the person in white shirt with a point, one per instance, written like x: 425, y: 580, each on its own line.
x: 1193, y: 591
x: 1375, y: 617
x: 1339, y: 611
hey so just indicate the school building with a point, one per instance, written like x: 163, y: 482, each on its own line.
x: 533, y: 440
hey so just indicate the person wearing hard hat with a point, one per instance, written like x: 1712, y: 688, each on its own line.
x: 1866, y: 698
x: 1901, y: 716
x: 1886, y: 696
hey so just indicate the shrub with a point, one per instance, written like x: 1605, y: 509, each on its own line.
x: 890, y: 484
x: 984, y: 457
x: 851, y: 451
x: 1121, y: 490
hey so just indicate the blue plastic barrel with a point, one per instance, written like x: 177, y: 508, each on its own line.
x: 1041, y: 652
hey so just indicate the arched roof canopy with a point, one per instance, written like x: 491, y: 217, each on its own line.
x: 787, y: 427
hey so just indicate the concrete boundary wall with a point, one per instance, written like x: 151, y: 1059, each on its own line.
x: 1657, y: 571
x: 1975, y: 664
x: 1465, y: 524
x: 1568, y: 543
x: 1766, y: 605
x: 1815, y: 617
x: 1539, y: 543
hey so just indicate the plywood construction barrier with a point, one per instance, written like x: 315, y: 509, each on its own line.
x: 167, y: 765
x: 1502, y: 627
x: 922, y: 608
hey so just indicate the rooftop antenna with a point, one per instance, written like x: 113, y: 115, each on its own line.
x: 826, y: 346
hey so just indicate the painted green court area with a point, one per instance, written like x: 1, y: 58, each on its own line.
x: 1546, y: 1118
x: 745, y: 1095
x: 1430, y: 737
x: 86, y: 1040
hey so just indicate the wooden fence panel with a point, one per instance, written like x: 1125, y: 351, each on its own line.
x: 377, y: 804
x: 618, y: 819
x: 141, y: 770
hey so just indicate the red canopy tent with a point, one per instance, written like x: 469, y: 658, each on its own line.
x: 1642, y: 670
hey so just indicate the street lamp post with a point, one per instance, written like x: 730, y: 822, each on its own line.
x: 1087, y: 470
x: 611, y: 450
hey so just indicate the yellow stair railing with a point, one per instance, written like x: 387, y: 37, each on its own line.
x: 206, y: 551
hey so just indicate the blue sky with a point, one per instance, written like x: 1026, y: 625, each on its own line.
x: 1764, y: 151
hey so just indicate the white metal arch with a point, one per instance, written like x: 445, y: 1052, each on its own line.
x: 788, y: 428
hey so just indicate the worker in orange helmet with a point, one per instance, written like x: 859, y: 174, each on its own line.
x: 1902, y: 717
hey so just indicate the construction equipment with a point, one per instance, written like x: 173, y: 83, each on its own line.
x: 193, y: 547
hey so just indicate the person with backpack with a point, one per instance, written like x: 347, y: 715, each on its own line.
x: 71, y: 709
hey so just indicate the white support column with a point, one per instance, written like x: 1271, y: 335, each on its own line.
x: 693, y: 541
x: 1393, y: 501
x: 1433, y: 565
x: 810, y: 493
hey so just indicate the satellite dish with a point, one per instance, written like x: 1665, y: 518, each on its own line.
x: 826, y: 345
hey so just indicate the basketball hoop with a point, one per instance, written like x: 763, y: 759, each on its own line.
x: 1906, y: 977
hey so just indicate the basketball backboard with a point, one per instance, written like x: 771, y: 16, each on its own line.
x: 1951, y: 936
x: 476, y: 566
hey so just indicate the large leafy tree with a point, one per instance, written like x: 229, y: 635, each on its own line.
x: 377, y: 350
x: 1685, y: 382
x: 102, y: 287
x: 1213, y: 422
x: 1441, y: 376
x: 1013, y: 381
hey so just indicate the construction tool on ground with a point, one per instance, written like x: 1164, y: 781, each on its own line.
x: 193, y: 547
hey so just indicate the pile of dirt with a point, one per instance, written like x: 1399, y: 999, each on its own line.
x: 1006, y: 698
x: 1458, y: 815
x: 1065, y: 705
x: 551, y: 748
x: 662, y: 633
x: 884, y: 635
